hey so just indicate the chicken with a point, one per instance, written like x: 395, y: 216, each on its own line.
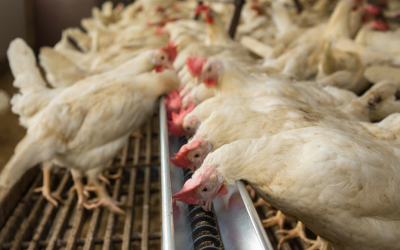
x: 229, y: 80
x: 342, y: 186
x: 35, y: 96
x: 86, y: 125
x: 265, y: 116
x: 34, y: 93
x: 61, y: 71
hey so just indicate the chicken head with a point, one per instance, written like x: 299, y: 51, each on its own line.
x: 190, y: 124
x: 204, y: 186
x: 373, y: 12
x: 210, y: 72
x: 206, y: 12
x: 175, y: 126
x: 195, y: 65
x: 164, y: 57
x: 192, y: 154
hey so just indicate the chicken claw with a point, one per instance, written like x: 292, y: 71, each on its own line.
x: 278, y: 219
x: 298, y: 231
x: 111, y: 176
x: 104, y: 199
x: 319, y: 244
x: 104, y: 179
x: 260, y: 202
x: 113, y: 206
x: 85, y: 191
x: 51, y: 197
x: 45, y: 190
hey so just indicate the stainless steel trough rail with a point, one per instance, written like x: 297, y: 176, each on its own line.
x: 239, y: 225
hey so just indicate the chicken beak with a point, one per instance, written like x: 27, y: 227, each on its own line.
x: 199, y: 80
x: 169, y: 66
x: 206, y: 205
x: 195, y: 165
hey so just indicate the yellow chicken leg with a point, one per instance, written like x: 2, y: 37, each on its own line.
x: 46, y: 189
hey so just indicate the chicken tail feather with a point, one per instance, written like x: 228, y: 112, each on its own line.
x: 27, y: 154
x: 22, y: 61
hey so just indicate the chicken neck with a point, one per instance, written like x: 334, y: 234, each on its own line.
x: 216, y: 33
x: 338, y: 25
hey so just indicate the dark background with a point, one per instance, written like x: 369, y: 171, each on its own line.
x: 40, y: 22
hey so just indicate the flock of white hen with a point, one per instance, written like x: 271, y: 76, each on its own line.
x: 286, y: 106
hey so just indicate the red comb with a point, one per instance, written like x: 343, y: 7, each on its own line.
x: 195, y: 65
x: 175, y: 126
x: 120, y: 6
x: 173, y: 102
x: 159, y: 9
x: 171, y: 50
x: 379, y: 24
x: 181, y: 160
x: 257, y: 9
x: 180, y: 89
x: 160, y: 31
x: 202, y: 8
x: 188, y: 194
x: 372, y: 9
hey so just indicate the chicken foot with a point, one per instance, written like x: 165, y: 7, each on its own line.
x: 104, y: 199
x: 278, y: 219
x: 105, y: 177
x: 298, y: 231
x: 79, y: 186
x: 260, y: 202
x: 253, y: 195
x: 46, y: 190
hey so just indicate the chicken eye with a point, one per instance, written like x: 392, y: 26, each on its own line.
x: 196, y: 155
x: 162, y: 57
x: 187, y: 128
x: 205, y: 189
x: 209, y: 69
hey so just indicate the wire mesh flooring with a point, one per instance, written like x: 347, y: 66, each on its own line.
x: 29, y: 221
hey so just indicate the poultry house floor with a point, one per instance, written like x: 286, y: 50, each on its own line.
x: 35, y: 223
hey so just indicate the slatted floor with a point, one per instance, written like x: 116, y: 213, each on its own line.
x: 35, y: 223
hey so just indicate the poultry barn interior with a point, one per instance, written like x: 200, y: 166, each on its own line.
x: 200, y: 125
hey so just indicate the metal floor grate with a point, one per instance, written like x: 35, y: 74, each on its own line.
x: 33, y: 223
